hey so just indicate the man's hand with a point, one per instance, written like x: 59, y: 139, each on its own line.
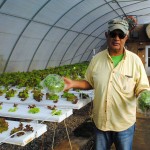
x: 77, y: 84
x: 68, y: 83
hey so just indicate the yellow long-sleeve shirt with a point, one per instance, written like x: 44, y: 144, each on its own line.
x: 116, y: 88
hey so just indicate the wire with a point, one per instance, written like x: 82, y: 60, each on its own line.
x: 68, y: 135
x: 54, y: 135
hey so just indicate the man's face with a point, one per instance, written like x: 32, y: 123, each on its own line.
x: 116, y: 40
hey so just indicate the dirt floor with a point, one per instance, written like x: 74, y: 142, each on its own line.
x: 142, y: 133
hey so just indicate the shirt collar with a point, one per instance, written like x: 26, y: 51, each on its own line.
x: 125, y: 53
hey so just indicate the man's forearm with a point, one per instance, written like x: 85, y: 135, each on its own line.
x: 81, y: 84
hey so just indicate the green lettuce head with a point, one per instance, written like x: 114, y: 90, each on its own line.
x: 54, y: 83
x: 144, y: 101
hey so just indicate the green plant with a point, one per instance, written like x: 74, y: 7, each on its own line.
x: 23, y: 94
x: 20, y: 130
x: 3, y: 125
x: 144, y: 101
x: 14, y: 109
x: 33, y: 109
x: 10, y: 93
x: 1, y: 103
x: 70, y: 97
x: 56, y: 112
x: 37, y: 95
x: 54, y: 83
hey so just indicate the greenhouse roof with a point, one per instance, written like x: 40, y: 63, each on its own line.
x: 37, y: 34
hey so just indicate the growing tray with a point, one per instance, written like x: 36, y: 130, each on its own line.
x: 62, y: 102
x: 39, y: 129
x: 43, y: 115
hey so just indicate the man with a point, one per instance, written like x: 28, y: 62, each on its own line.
x: 117, y: 77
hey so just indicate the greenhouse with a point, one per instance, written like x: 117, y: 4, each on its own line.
x: 50, y: 81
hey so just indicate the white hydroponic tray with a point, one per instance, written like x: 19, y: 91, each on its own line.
x: 62, y: 102
x: 44, y: 114
x: 39, y: 129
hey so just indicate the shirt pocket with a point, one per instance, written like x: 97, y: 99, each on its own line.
x: 125, y: 83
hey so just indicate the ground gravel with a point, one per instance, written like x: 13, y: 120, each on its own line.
x: 44, y: 142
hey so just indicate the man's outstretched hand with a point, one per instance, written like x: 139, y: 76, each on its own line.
x: 77, y: 84
x: 68, y: 83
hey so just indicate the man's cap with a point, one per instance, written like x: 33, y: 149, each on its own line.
x: 118, y: 24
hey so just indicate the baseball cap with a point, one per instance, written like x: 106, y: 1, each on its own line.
x: 118, y: 24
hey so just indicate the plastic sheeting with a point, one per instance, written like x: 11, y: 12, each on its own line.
x: 38, y: 34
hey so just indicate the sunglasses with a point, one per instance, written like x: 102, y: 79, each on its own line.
x: 114, y: 34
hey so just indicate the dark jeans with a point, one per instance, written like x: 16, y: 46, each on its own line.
x: 122, y: 140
